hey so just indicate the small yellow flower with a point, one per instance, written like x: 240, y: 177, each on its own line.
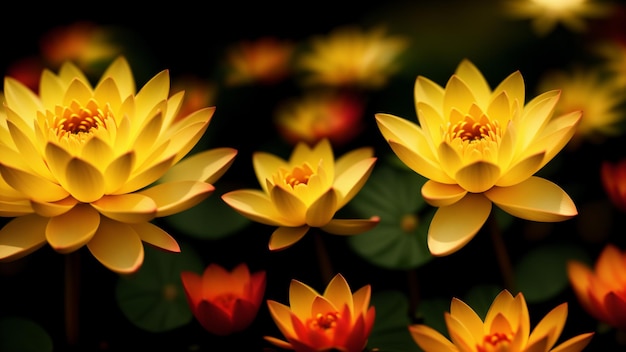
x: 506, y: 328
x: 92, y: 166
x: 336, y: 320
x: 613, y: 54
x: 305, y: 191
x: 546, y: 14
x: 479, y: 146
x: 349, y: 56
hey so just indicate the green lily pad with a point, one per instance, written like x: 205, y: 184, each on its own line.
x: 399, y: 241
x: 23, y: 335
x: 542, y: 273
x: 390, y: 332
x: 210, y: 219
x: 153, y: 298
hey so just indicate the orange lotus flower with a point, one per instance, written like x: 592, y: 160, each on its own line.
x: 266, y: 61
x: 602, y: 290
x: 336, y: 320
x: 224, y: 302
x: 506, y: 328
x: 613, y: 176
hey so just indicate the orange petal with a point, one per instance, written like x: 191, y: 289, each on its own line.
x: 52, y: 209
x: 577, y: 343
x: 430, y: 339
x: 22, y: 236
x: 117, y: 246
x: 72, y: 230
x: 284, y: 237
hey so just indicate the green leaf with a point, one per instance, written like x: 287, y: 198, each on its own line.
x: 22, y: 335
x: 153, y: 298
x: 542, y: 273
x: 390, y: 332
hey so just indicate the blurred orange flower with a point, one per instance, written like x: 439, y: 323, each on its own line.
x: 613, y: 177
x: 224, y: 302
x: 337, y: 117
x: 601, y: 291
x: 506, y: 328
x: 265, y: 61
x: 336, y: 320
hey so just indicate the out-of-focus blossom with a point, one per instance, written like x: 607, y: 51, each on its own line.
x: 613, y: 177
x: 198, y: 93
x: 27, y: 71
x: 266, y: 61
x: 546, y: 14
x: 601, y: 291
x: 614, y: 55
x: 587, y: 90
x: 222, y: 301
x: 84, y: 43
x: 336, y: 116
x: 506, y: 328
x: 350, y: 56
x: 305, y: 191
x: 479, y: 146
x: 92, y: 166
x: 336, y: 320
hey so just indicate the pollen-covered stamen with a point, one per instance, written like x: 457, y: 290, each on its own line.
x: 471, y: 129
x: 324, y: 321
x: 77, y: 118
x: 299, y: 175
x: 495, y: 342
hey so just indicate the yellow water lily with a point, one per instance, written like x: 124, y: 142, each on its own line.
x: 480, y: 147
x: 305, y: 191
x: 93, y: 165
x: 506, y: 328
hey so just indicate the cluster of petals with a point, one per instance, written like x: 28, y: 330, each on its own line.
x: 92, y: 166
x: 506, y: 328
x: 305, y: 191
x: 222, y: 301
x: 478, y: 147
x: 601, y: 290
x: 337, y: 320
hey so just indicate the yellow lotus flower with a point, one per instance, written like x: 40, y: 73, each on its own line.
x: 546, y: 14
x: 351, y: 56
x: 85, y: 165
x: 506, y: 328
x: 305, y: 191
x: 477, y: 146
x: 336, y: 320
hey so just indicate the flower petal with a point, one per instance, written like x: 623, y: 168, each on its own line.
x: 289, y: 205
x: 452, y: 227
x: 254, y: 205
x: 521, y: 170
x: 402, y: 131
x: 129, y: 208
x: 442, y: 194
x: 284, y: 237
x: 174, y: 197
x: 207, y: 166
x: 72, y: 230
x: 22, y: 236
x: 117, y: 246
x: 322, y: 210
x: 52, y: 209
x: 350, y: 226
x: 32, y: 186
x: 156, y: 236
x: 577, y: 343
x: 265, y: 165
x: 430, y: 339
x: 351, y: 180
x: 478, y: 177
x: 429, y: 169
x: 535, y: 199
x: 84, y: 181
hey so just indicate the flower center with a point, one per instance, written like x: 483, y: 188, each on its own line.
x: 77, y: 118
x: 474, y: 129
x: 296, y: 176
x: 495, y: 342
x: 324, y: 321
x: 226, y: 301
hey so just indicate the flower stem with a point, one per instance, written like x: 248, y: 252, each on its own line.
x: 72, y: 288
x: 502, y: 255
x: 323, y: 258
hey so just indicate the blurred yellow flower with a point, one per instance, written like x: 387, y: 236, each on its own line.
x: 587, y: 90
x: 305, y: 191
x: 336, y: 320
x: 92, y: 166
x: 546, y: 14
x: 613, y: 54
x: 349, y: 56
x: 477, y: 146
x: 506, y: 328
x: 601, y: 291
x: 266, y: 60
x: 319, y: 115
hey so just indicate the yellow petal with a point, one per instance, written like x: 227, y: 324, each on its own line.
x: 557, y: 134
x: 32, y: 186
x: 156, y: 236
x: 402, y: 131
x: 471, y: 75
x: 22, y: 100
x: 514, y: 87
x: 478, y: 177
x: 72, y: 230
x: 265, y: 165
x: 535, y: 115
x: 174, y: 197
x: 118, y: 171
x: 284, y: 237
x: 458, y: 96
x: 52, y: 209
x: 348, y: 183
x: 121, y: 73
x: 575, y: 344
x: 129, y: 208
x: 27, y: 150
x: 551, y: 325
x: 465, y: 314
x: 97, y: 151
x: 117, y: 246
x: 255, y: 205
x: 535, y: 199
x: 322, y: 210
x: 425, y: 167
x: 281, y: 314
x: 107, y: 90
x: 350, y: 226
x: 338, y: 292
x: 460, y: 336
x: 146, y: 176
x: 441, y: 194
x: 207, y: 166
x: 521, y: 170
x: 16, y: 208
x: 430, y: 339
x: 84, y: 181
x: 22, y: 236
x: 154, y: 91
x: 452, y: 227
x: 301, y: 297
x: 428, y: 92
x: 431, y: 122
x: 289, y: 205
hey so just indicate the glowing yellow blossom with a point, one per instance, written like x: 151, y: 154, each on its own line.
x: 546, y: 14
x: 266, y: 60
x: 506, y: 328
x: 586, y: 90
x: 613, y: 54
x: 353, y: 57
x: 92, y: 166
x: 477, y: 146
x: 336, y: 320
x: 305, y: 191
x: 602, y: 290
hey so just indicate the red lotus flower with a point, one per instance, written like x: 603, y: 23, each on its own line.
x: 224, y: 302
x: 613, y: 175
